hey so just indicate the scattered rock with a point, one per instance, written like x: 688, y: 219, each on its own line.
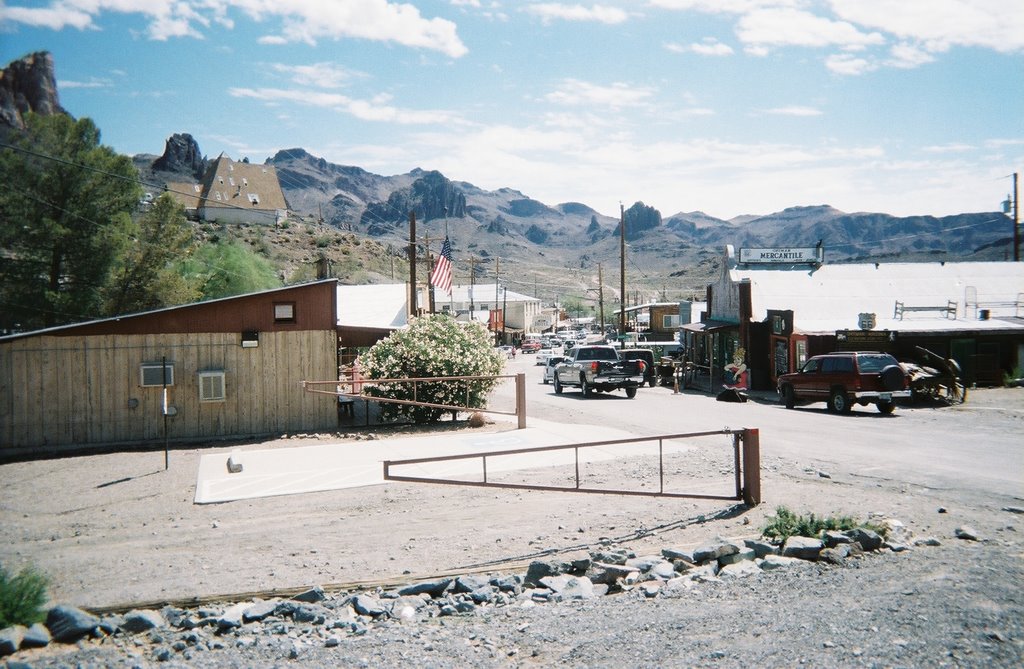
x: 68, y: 624
x: 967, y: 533
x: 136, y: 621
x: 804, y: 548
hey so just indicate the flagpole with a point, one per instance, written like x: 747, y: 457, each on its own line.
x: 451, y: 293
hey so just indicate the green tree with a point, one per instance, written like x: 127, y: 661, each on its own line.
x: 432, y: 346
x: 148, y: 275
x: 65, y: 208
x: 224, y: 269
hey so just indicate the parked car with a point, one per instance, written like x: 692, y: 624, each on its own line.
x: 549, y: 368
x: 843, y: 379
x: 530, y: 346
x: 646, y: 356
x: 508, y: 351
x: 544, y: 354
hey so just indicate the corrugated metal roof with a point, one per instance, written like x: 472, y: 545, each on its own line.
x: 830, y: 297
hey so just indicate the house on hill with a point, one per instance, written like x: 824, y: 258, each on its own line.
x: 234, y: 192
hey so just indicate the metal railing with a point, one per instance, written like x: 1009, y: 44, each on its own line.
x: 355, y: 391
x: 746, y: 460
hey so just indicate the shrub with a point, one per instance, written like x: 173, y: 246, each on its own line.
x: 785, y: 524
x: 432, y: 346
x: 22, y: 597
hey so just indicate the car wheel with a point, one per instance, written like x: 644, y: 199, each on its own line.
x: 558, y: 385
x: 788, y: 397
x: 545, y: 379
x: 886, y: 407
x: 838, y: 402
x: 631, y: 392
x: 653, y: 381
x: 585, y: 387
x: 892, y: 377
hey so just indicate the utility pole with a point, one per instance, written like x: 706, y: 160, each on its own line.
x: 412, y: 263
x: 1016, y: 223
x: 622, y: 270
x: 430, y: 270
x: 600, y: 296
x: 472, y: 282
x: 497, y: 274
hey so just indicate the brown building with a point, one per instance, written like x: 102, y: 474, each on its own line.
x: 232, y: 367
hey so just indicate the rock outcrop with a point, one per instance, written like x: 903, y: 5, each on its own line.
x: 181, y: 155
x: 28, y: 85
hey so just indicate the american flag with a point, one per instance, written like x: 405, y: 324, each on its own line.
x: 442, y: 274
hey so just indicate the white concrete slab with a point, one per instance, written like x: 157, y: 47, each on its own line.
x: 288, y: 471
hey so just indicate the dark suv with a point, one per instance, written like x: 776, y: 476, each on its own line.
x: 841, y: 379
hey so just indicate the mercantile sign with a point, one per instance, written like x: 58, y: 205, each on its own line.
x: 809, y: 255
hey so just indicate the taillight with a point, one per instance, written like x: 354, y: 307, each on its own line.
x: 594, y: 366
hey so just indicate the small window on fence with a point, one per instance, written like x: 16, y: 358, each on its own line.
x: 211, y: 386
x: 152, y: 374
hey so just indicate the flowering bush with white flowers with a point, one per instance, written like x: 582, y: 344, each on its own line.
x: 432, y: 346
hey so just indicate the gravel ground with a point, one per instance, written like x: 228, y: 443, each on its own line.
x: 114, y: 531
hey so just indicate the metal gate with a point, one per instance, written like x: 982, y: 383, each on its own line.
x: 745, y: 445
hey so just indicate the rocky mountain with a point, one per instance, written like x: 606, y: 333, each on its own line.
x: 27, y: 85
x: 533, y: 246
x: 566, y: 242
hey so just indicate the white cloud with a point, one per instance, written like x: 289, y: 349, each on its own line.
x: 321, y: 75
x: 375, y: 109
x: 849, y: 65
x: 92, y: 83
x: 908, y: 56
x: 615, y: 96
x: 787, y: 27
x: 550, y: 11
x: 300, y: 20
x: 711, y: 47
x: 794, y: 110
x: 55, y: 17
x: 949, y: 148
x: 941, y: 24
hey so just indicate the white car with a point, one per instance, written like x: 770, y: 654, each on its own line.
x: 544, y: 354
x: 549, y: 367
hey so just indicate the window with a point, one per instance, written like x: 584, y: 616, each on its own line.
x: 483, y: 307
x: 284, y: 312
x: 152, y: 374
x: 669, y: 321
x: 211, y: 386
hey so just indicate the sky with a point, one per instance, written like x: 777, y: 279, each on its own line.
x: 730, y: 107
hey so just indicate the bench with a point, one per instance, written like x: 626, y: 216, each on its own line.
x: 949, y: 310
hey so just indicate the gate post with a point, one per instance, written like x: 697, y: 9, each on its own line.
x: 751, y: 467
x: 521, y: 399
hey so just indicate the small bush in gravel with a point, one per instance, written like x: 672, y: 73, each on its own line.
x: 22, y: 597
x: 785, y: 524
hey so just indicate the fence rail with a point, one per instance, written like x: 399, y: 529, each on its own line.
x: 355, y: 392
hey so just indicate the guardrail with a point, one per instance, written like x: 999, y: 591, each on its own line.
x: 746, y: 457
x: 356, y: 385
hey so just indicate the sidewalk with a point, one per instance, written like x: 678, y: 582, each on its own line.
x: 287, y: 471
